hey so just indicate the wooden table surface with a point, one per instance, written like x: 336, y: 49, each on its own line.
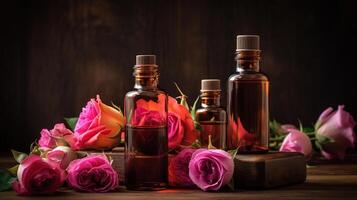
x: 325, y: 181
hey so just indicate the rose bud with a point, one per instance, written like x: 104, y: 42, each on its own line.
x: 92, y: 174
x: 55, y: 137
x: 38, y: 176
x: 211, y: 169
x: 334, y: 132
x: 62, y: 155
x: 46, y: 140
x: 178, y: 169
x: 297, y: 141
x: 98, y: 126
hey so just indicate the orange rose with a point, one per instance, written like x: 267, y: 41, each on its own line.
x: 98, y: 126
x: 181, y: 129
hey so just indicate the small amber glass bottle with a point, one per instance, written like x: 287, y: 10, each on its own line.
x: 212, y: 117
x: 146, y: 139
x: 248, y: 95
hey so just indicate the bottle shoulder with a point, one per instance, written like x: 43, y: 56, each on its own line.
x: 211, y: 109
x: 143, y: 92
x: 146, y: 94
x: 206, y: 114
x: 248, y: 76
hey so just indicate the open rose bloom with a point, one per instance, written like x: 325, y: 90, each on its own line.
x: 181, y: 130
x: 92, y: 174
x: 38, y: 176
x: 98, y: 127
x: 297, y: 141
x: 337, y: 127
x: 211, y: 169
x: 55, y: 137
x: 178, y: 169
x: 62, y: 155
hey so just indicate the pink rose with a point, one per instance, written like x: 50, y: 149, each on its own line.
x: 145, y: 117
x: 92, y: 174
x: 60, y: 130
x: 50, y: 138
x: 334, y: 132
x: 175, y: 130
x: 62, y: 155
x: 297, y: 141
x: 38, y: 176
x: 211, y: 169
x: 181, y: 129
x: 178, y: 169
x: 98, y: 127
x: 46, y: 140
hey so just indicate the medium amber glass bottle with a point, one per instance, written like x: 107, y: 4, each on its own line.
x: 146, y: 139
x: 248, y: 95
x: 212, y: 117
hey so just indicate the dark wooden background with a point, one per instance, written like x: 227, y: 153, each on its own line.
x: 55, y: 55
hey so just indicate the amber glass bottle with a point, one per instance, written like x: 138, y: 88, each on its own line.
x: 248, y: 95
x: 212, y: 117
x: 146, y: 140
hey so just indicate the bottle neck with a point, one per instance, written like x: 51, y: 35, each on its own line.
x: 210, y: 99
x: 248, y: 61
x: 146, y: 77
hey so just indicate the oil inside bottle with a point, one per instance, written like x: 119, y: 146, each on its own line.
x: 248, y: 100
x: 147, y: 158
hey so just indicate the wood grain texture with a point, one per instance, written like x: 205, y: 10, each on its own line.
x: 55, y: 55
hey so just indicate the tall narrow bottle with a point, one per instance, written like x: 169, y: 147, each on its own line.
x: 212, y: 117
x: 248, y: 95
x: 146, y: 139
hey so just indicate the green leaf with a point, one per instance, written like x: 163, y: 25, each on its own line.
x: 323, y: 139
x: 18, y: 156
x: 71, y: 122
x: 196, y: 144
x: 13, y: 170
x: 275, y: 128
x: 117, y: 107
x: 233, y: 152
x: 194, y: 108
x: 6, y: 180
x: 35, y: 149
x: 300, y: 126
x: 308, y: 130
x: 318, y: 145
x: 197, y: 125
x: 183, y: 97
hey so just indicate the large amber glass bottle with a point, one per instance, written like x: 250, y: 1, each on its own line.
x: 211, y: 116
x: 146, y: 139
x: 248, y: 95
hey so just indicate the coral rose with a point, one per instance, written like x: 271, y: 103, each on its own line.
x: 98, y: 126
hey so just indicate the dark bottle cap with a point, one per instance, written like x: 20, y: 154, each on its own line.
x: 145, y: 60
x: 248, y: 43
x: 210, y: 85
